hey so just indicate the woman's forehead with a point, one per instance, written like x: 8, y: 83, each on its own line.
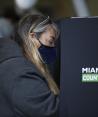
x: 51, y: 30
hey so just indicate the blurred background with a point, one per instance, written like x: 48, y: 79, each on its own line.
x: 12, y: 10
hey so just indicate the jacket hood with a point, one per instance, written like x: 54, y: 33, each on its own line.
x: 9, y: 49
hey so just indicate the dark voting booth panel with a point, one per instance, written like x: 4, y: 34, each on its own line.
x: 79, y: 67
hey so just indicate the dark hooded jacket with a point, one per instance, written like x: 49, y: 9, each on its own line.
x: 24, y: 91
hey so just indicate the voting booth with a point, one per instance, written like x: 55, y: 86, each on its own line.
x: 79, y: 67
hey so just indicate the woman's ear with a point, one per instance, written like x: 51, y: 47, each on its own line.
x: 34, y: 39
x: 32, y: 35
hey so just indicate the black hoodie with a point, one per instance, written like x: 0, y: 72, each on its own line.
x: 23, y: 90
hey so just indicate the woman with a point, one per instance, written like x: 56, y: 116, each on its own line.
x: 29, y: 86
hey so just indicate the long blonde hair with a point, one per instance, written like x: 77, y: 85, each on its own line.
x: 37, y: 24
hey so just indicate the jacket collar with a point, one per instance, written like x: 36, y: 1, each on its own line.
x: 9, y: 49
